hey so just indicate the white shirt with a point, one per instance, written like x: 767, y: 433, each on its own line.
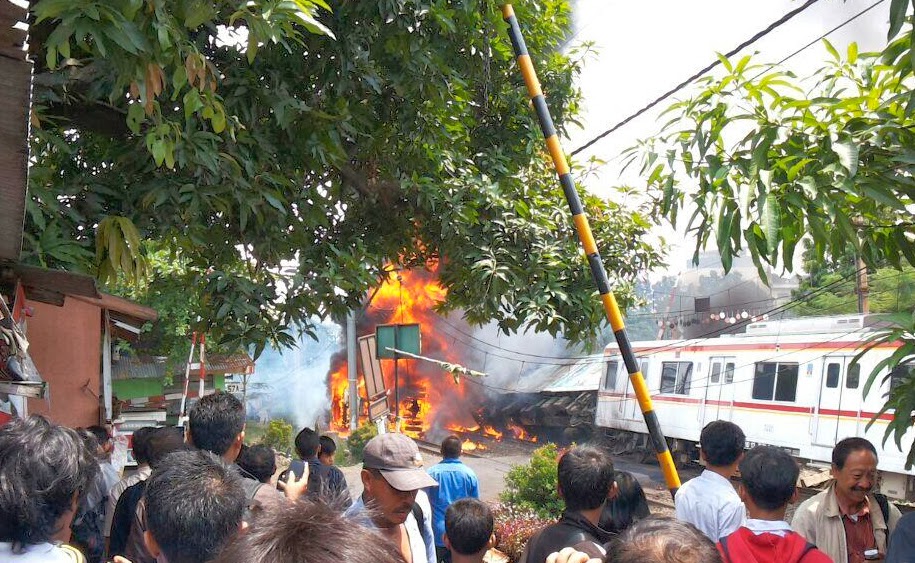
x: 778, y: 527
x: 39, y: 553
x: 710, y: 503
x: 118, y: 489
x: 358, y: 513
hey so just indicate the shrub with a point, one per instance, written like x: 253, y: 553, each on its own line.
x: 279, y: 436
x: 533, y: 486
x: 514, y: 528
x: 359, y: 438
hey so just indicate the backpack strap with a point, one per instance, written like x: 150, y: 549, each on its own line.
x: 418, y: 515
x: 884, y: 505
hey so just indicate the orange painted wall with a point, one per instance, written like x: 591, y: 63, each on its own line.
x: 65, y: 344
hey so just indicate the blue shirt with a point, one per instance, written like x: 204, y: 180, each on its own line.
x: 455, y: 481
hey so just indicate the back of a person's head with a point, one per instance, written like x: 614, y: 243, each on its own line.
x: 662, y: 539
x: 722, y: 443
x: 102, y: 435
x: 308, y: 532
x: 140, y: 444
x: 451, y: 447
x: 629, y: 505
x: 259, y: 461
x: 769, y: 475
x: 328, y: 446
x: 307, y: 443
x: 585, y: 477
x: 43, y: 466
x: 468, y: 525
x: 848, y: 446
x: 194, y: 505
x: 163, y: 441
x: 215, y: 421
x: 89, y: 440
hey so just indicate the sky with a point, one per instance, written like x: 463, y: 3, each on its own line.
x: 645, y: 48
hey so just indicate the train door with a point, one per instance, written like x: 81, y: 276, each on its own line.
x: 631, y: 410
x: 840, y: 399
x: 719, y: 389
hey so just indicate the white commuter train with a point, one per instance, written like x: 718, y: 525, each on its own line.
x: 785, y: 383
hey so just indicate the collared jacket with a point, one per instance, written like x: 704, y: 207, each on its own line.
x: 819, y: 519
x: 572, y: 530
x: 455, y: 481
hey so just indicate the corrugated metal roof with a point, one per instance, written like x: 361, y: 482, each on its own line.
x: 148, y: 367
x: 584, y: 375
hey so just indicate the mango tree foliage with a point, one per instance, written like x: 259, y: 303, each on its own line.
x: 760, y: 159
x: 289, y: 157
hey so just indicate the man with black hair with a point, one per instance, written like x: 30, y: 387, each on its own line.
x: 129, y: 523
x: 327, y: 451
x: 194, y: 506
x: 216, y: 423
x: 258, y: 461
x: 455, y: 481
x: 468, y: 530
x: 848, y: 521
x: 45, y: 469
x: 585, y: 484
x: 139, y: 441
x: 768, y: 483
x: 709, y: 502
x: 324, y: 481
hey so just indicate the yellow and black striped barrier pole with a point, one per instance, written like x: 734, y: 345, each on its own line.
x: 587, y: 242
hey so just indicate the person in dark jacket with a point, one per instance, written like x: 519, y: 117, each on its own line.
x: 585, y: 483
x: 325, y: 482
x: 902, y: 542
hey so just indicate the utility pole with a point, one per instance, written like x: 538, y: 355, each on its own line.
x: 351, y: 370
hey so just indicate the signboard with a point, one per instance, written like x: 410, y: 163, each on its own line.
x: 405, y: 337
x: 233, y: 387
x: 371, y: 368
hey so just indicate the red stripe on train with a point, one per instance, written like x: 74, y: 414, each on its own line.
x: 757, y: 406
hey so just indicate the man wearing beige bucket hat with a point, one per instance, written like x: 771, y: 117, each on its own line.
x: 392, y: 473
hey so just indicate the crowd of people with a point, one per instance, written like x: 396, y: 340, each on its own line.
x: 199, y: 494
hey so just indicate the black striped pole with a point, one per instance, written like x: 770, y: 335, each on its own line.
x: 587, y: 242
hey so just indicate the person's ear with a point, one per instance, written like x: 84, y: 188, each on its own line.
x: 446, y: 541
x: 151, y: 544
x: 702, y: 456
x: 492, y: 542
x: 187, y: 437
x: 560, y: 491
x: 742, y: 492
x: 366, y: 476
x: 614, y: 491
x: 794, y: 496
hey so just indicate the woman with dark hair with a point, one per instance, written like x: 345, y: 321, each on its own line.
x: 628, y: 507
x: 45, y: 470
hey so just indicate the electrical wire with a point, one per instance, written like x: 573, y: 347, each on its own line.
x: 715, y: 63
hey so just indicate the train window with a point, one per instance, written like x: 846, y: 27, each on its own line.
x: 610, y: 376
x: 676, y: 377
x: 715, y: 377
x: 853, y: 377
x: 729, y: 372
x: 832, y: 375
x: 775, y: 382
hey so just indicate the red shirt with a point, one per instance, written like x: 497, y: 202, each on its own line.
x: 859, y: 534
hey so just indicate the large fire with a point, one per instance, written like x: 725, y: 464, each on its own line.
x: 430, y: 400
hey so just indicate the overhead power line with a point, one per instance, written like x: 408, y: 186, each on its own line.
x: 774, y: 25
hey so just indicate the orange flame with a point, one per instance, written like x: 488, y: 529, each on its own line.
x: 520, y: 434
x: 429, y: 397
